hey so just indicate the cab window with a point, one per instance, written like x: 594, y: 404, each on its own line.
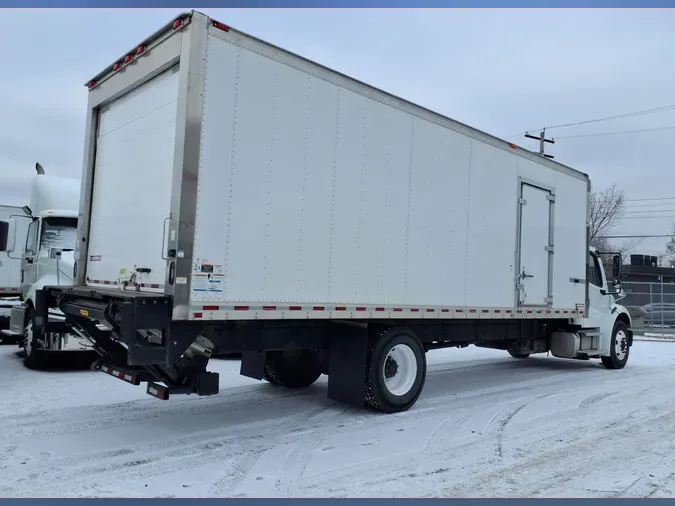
x: 594, y: 273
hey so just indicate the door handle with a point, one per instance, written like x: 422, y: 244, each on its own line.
x: 29, y: 260
x: 523, y: 275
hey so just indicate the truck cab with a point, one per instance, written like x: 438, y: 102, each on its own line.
x: 607, y: 324
x: 47, y: 258
x: 48, y: 251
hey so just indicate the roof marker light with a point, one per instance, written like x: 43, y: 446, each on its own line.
x: 91, y: 84
x: 128, y: 58
x: 221, y: 26
x: 140, y: 50
x: 177, y: 24
x: 117, y: 66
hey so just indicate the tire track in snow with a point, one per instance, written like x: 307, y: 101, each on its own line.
x: 169, y: 455
x: 388, y: 469
x: 543, y: 471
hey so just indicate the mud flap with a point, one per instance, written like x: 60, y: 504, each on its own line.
x: 347, y: 365
x: 253, y: 364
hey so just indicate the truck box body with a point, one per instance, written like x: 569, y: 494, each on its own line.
x: 15, y: 192
x: 250, y: 183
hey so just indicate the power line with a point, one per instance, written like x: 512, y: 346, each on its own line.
x: 632, y: 236
x: 650, y: 211
x: 597, y: 120
x: 623, y: 132
x: 649, y: 199
x: 646, y: 217
x: 618, y: 116
x: 641, y: 206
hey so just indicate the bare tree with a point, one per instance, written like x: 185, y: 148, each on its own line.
x: 670, y: 246
x: 605, y: 208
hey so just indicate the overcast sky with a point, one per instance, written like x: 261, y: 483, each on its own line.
x: 502, y: 71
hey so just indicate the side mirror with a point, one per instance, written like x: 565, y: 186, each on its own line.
x: 7, y: 235
x: 616, y: 268
x: 27, y: 211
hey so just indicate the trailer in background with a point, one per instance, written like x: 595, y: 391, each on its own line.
x: 238, y: 196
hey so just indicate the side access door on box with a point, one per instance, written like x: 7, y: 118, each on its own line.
x: 535, y: 246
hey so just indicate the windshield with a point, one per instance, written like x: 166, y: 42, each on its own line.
x: 58, y: 233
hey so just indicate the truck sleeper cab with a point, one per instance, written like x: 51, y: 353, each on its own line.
x: 318, y: 226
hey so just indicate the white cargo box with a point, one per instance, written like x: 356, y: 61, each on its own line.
x: 248, y: 182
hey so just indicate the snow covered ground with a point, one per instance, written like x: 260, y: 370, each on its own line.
x: 486, y: 424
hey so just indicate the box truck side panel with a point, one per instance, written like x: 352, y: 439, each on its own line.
x: 132, y: 184
x: 293, y: 160
x: 569, y: 267
x: 491, y: 233
x: 438, y: 205
x: 10, y: 268
x: 310, y: 191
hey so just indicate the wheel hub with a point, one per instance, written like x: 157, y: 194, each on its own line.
x: 620, y: 345
x: 399, y: 370
x: 390, y: 368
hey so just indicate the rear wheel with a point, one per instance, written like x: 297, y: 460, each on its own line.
x: 618, y: 349
x: 396, y: 371
x: 292, y: 368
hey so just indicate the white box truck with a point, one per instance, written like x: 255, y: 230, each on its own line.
x: 41, y: 237
x: 14, y: 194
x: 236, y: 195
x: 10, y: 267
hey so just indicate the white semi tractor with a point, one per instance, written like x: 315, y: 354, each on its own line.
x: 236, y: 195
x: 41, y: 240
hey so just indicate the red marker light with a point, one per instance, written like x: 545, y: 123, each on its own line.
x: 177, y: 24
x: 91, y: 84
x: 117, y: 66
x: 221, y: 26
x: 128, y: 58
x: 140, y: 50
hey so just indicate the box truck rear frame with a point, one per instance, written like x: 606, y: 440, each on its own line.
x: 159, y: 334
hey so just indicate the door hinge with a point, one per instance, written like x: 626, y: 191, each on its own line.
x: 550, y: 197
x: 548, y: 300
x: 519, y: 286
x: 548, y: 248
x: 522, y: 201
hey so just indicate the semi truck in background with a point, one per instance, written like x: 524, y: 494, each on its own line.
x: 236, y: 195
x: 40, y: 241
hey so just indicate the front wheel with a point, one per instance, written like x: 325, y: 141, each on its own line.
x: 396, y: 371
x: 618, y: 349
x: 33, y: 355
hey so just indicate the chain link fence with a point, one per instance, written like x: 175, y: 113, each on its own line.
x: 651, y: 305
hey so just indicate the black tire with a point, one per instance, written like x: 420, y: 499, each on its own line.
x: 33, y: 357
x: 613, y: 361
x: 292, y: 368
x: 377, y: 395
x: 515, y: 354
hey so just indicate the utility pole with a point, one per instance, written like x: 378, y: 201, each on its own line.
x: 542, y: 139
